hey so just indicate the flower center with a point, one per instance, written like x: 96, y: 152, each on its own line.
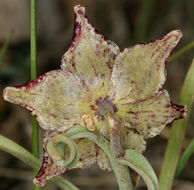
x: 104, y: 107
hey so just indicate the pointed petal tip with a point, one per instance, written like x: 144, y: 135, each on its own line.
x: 177, y: 34
x: 7, y: 93
x: 16, y: 95
x: 38, y: 182
x: 170, y: 39
x: 79, y: 10
x: 13, y: 94
x: 181, y: 111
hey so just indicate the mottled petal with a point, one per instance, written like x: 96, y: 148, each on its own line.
x: 103, y: 161
x: 58, y: 99
x: 87, y: 153
x: 150, y: 116
x: 90, y: 56
x: 139, y: 71
x: 49, y: 169
x: 131, y: 139
x: 87, y: 157
x: 102, y: 127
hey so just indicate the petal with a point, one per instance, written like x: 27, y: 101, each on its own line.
x: 150, y: 116
x: 87, y: 153
x: 90, y: 56
x: 131, y: 139
x: 139, y: 71
x: 87, y: 157
x: 58, y: 99
x: 49, y: 169
x: 103, y: 161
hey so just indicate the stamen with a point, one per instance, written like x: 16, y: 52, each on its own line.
x: 88, y: 122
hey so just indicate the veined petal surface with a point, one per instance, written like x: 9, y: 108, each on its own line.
x: 90, y: 56
x: 139, y: 71
x: 87, y: 157
x: 57, y: 99
x: 150, y: 116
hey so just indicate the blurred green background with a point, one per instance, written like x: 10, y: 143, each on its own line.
x: 126, y: 22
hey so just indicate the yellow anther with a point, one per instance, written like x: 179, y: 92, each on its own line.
x: 88, y: 122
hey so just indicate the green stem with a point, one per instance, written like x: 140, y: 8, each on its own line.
x: 177, y: 134
x: 19, y: 152
x: 121, y: 172
x: 181, y: 51
x: 184, y: 158
x: 33, y: 39
x: 35, y: 135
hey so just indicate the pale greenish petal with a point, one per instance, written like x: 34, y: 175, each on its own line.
x: 87, y: 157
x: 103, y: 161
x: 139, y: 71
x: 150, y: 116
x: 58, y: 99
x: 90, y: 56
x: 131, y: 139
x: 49, y: 169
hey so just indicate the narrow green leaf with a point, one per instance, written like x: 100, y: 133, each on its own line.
x: 5, y: 47
x: 177, y: 133
x: 181, y: 51
x: 140, y: 164
x: 184, y: 158
x: 19, y: 152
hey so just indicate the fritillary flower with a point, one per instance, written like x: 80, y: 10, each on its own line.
x: 116, y: 94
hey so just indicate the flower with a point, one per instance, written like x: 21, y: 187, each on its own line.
x: 116, y: 94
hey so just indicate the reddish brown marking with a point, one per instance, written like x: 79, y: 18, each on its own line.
x: 81, y: 12
x: 97, y: 150
x: 92, y: 107
x: 76, y: 35
x: 94, y: 69
x: 31, y: 84
x: 108, y: 63
x: 84, y: 85
x: 139, y: 112
x: 181, y: 109
x: 43, y: 168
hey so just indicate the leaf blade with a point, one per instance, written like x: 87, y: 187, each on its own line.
x: 184, y: 158
x: 19, y: 152
x: 177, y: 133
x: 139, y: 163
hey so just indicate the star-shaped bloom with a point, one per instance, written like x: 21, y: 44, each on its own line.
x: 116, y: 94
